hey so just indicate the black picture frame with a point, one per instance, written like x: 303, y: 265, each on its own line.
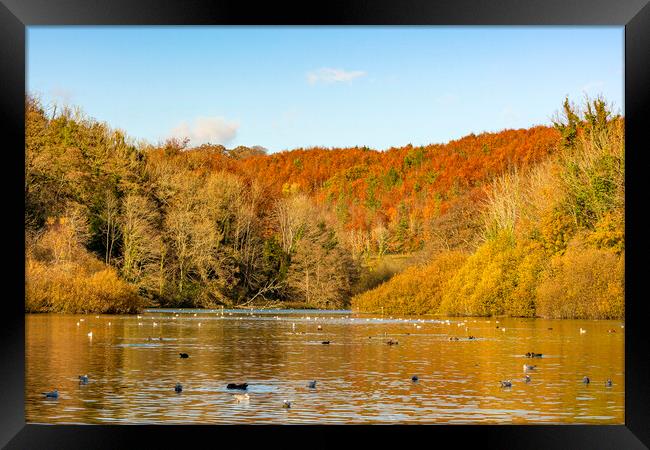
x: 634, y: 15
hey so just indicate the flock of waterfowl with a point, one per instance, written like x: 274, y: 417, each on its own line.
x: 84, y: 379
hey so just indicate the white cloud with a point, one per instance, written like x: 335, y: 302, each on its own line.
x: 329, y: 75
x: 215, y: 130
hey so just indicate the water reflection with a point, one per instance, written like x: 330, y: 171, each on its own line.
x: 134, y: 365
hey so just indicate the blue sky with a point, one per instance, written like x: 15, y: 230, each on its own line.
x: 288, y: 87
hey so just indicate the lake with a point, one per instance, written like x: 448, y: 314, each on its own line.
x: 360, y: 378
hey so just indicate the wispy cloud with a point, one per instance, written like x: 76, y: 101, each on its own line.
x: 328, y: 75
x: 286, y: 119
x: 448, y: 99
x: 61, y: 95
x: 510, y: 114
x: 593, y: 87
x: 215, y: 130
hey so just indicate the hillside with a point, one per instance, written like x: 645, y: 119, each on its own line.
x: 208, y: 225
x: 553, y: 240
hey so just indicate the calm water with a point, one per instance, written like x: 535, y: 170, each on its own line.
x: 360, y: 379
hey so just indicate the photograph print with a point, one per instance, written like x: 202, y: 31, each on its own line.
x: 324, y: 225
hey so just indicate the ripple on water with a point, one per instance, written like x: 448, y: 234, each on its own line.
x: 360, y: 380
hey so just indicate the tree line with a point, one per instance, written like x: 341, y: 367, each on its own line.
x: 113, y: 224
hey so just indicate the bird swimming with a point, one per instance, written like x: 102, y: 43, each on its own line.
x: 242, y: 386
x: 325, y: 342
x: 586, y: 380
x: 52, y: 394
x: 286, y: 404
x: 582, y: 331
x: 392, y: 342
x: 184, y: 355
x: 527, y: 378
x: 83, y: 379
x: 311, y: 384
x: 608, y: 383
x: 319, y: 327
x: 533, y: 355
x: 506, y: 383
x: 527, y: 367
x: 90, y: 334
x: 414, y: 378
x: 179, y: 387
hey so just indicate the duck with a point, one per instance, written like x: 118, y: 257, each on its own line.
x: 242, y: 386
x: 471, y: 338
x: 533, y: 355
x: 453, y: 338
x: 319, y: 327
x: 83, y: 379
x: 506, y: 383
x: 184, y: 355
x: 286, y: 404
x: 179, y: 387
x: 527, y: 378
x: 241, y: 397
x: 90, y: 334
x: 392, y: 342
x: 586, y: 380
x: 527, y: 367
x: 311, y: 384
x: 52, y: 394
x: 611, y: 330
x: 325, y: 342
x: 608, y: 383
x: 582, y: 330
x: 414, y: 378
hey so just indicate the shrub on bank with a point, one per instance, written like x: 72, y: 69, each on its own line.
x: 62, y: 276
x: 417, y: 290
x: 583, y: 283
x: 71, y: 288
x: 482, y: 286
